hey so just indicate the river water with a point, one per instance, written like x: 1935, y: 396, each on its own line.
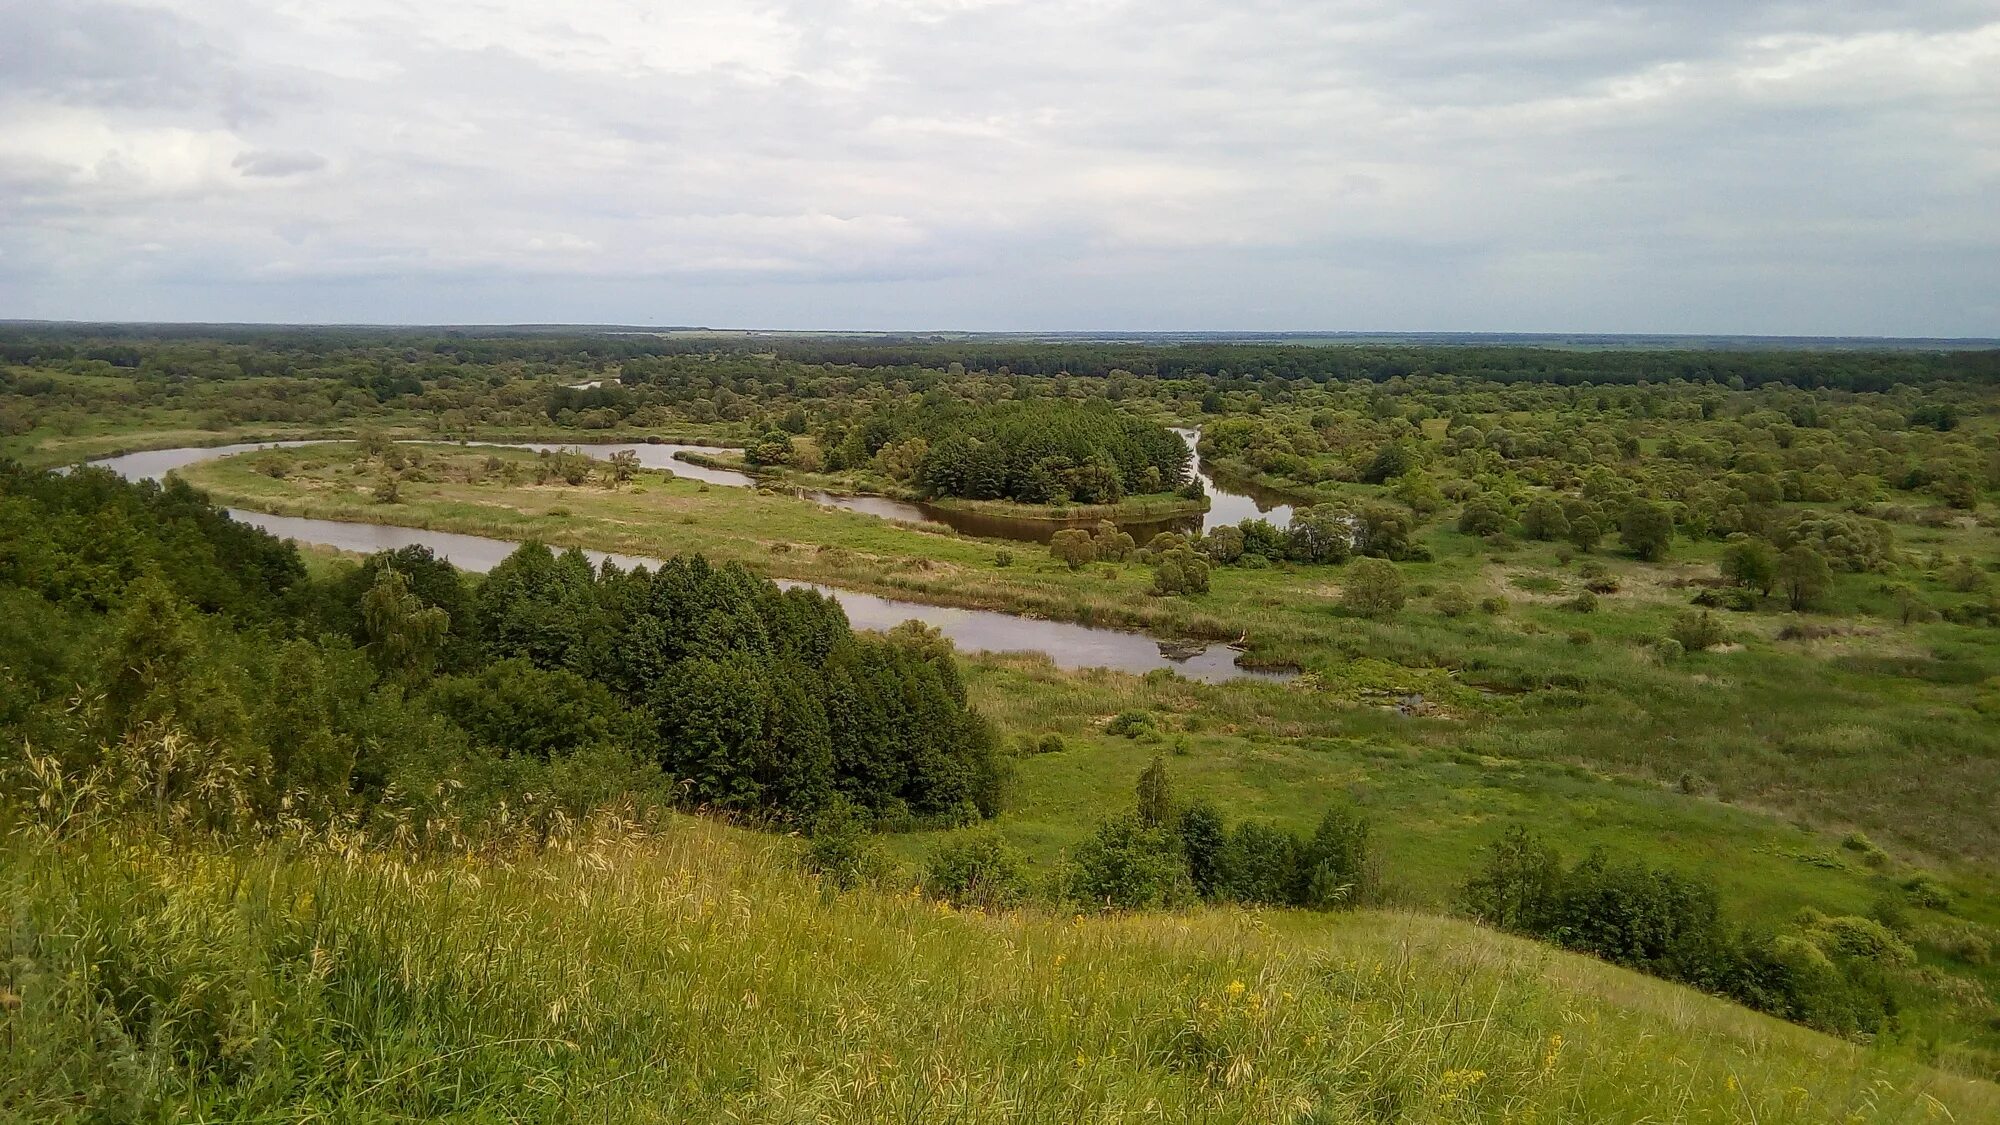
x: 1069, y: 645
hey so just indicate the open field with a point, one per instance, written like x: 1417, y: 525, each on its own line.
x: 691, y: 973
x: 1747, y: 765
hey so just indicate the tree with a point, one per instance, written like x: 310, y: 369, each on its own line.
x: 1391, y: 460
x: 1483, y: 515
x: 1544, y: 519
x: 1260, y: 864
x: 774, y: 448
x: 1073, y: 547
x: 1805, y: 576
x: 1224, y: 545
x: 1374, y: 588
x: 1126, y: 865
x: 1584, y: 532
x: 1333, y: 865
x: 624, y: 466
x: 1321, y: 534
x: 1202, y: 837
x: 1156, y: 794
x: 1180, y: 571
x: 1751, y: 564
x: 404, y: 635
x: 1646, y: 528
x: 1113, y: 545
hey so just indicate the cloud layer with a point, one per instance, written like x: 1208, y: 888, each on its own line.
x: 1003, y: 164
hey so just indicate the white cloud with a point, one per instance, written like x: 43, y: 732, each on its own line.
x: 885, y: 163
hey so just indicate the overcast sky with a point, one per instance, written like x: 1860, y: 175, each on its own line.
x: 1525, y: 165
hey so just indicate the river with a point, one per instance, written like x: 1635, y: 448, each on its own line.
x: 1069, y: 645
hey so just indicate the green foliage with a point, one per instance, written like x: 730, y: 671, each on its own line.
x: 1646, y: 528
x: 979, y: 870
x: 1804, y: 576
x: 1155, y: 808
x: 1372, y: 588
x: 1831, y: 973
x: 1544, y: 519
x: 1131, y: 724
x: 1322, y: 535
x: 1125, y: 865
x: 1073, y: 547
x: 1031, y: 452
x: 842, y: 849
x: 1751, y: 564
x: 405, y: 636
x: 1452, y: 601
x: 1180, y: 571
x: 1697, y: 631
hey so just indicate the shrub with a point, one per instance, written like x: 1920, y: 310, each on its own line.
x: 1180, y: 571
x: 1073, y: 547
x: 1202, y: 836
x: 1003, y: 559
x: 1493, y: 604
x: 1826, y: 972
x: 1452, y: 602
x: 1374, y: 588
x: 1582, y: 637
x: 1051, y: 743
x: 976, y: 870
x: 1334, y: 866
x: 1583, y: 602
x: 1126, y: 866
x: 1223, y: 546
x: 1927, y: 893
x: 841, y: 849
x: 1697, y: 631
x: 1668, y: 650
x: 1155, y: 791
x: 1260, y: 865
x: 1131, y: 724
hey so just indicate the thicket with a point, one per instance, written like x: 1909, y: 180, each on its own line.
x: 1034, y: 452
x: 1166, y: 853
x: 184, y: 665
x: 1839, y: 974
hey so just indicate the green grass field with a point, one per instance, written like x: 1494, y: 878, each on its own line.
x: 690, y: 974
x: 1747, y: 765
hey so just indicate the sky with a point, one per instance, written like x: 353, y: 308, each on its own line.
x: 1706, y: 166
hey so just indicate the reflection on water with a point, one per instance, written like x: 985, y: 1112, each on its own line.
x: 1068, y: 645
x: 1241, y: 501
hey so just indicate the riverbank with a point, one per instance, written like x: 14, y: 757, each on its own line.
x: 1154, y: 508
x: 52, y: 453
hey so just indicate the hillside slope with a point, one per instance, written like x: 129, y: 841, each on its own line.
x: 691, y: 974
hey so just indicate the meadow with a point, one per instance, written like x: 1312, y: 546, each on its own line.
x: 1834, y: 759
x: 1750, y: 766
x: 685, y: 970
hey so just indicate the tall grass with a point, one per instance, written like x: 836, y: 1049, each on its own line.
x: 694, y: 975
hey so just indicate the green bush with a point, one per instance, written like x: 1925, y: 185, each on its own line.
x: 842, y: 849
x: 976, y: 870
x: 1131, y: 724
x: 1126, y: 866
x: 1452, y: 602
x: 1697, y: 631
x: 1833, y: 973
x: 1927, y: 893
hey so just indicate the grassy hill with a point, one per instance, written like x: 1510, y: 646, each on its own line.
x: 691, y: 973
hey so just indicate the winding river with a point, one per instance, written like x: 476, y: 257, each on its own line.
x: 1069, y: 645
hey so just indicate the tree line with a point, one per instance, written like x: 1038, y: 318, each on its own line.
x: 151, y: 639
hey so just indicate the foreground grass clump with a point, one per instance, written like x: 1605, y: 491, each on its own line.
x: 695, y: 975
